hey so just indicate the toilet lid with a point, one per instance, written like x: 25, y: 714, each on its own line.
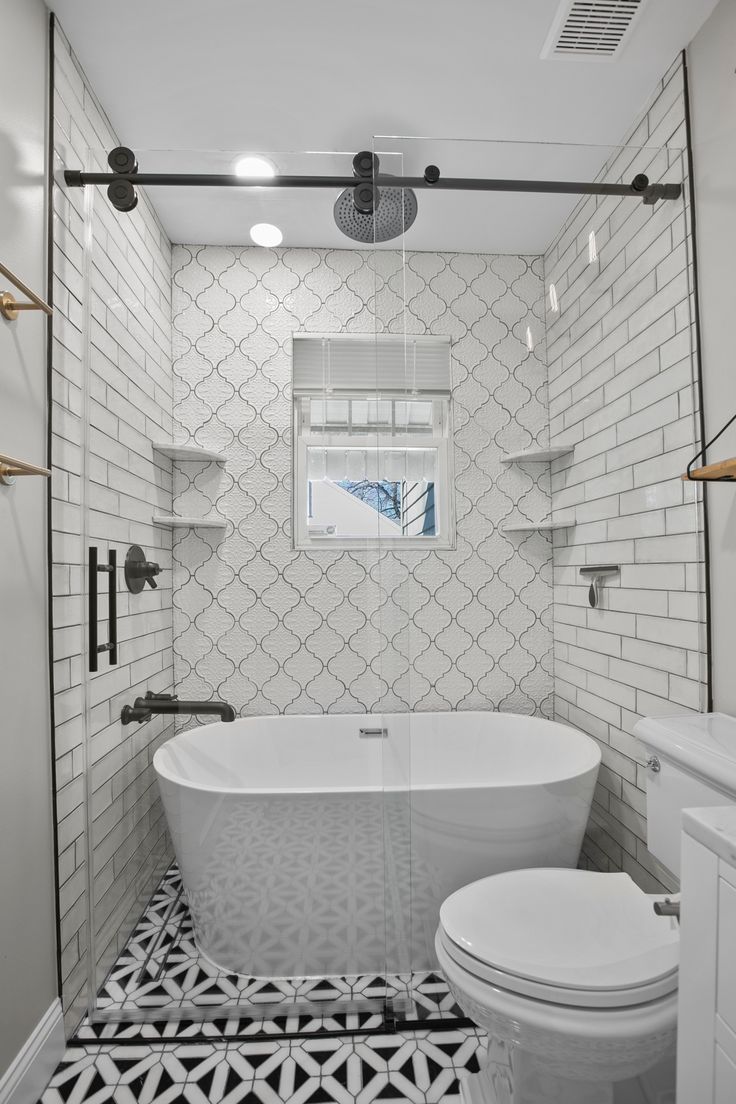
x: 573, y: 929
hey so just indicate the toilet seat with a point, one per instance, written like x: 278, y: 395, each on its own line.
x: 572, y: 937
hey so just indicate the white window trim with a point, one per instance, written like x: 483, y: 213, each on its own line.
x: 444, y: 500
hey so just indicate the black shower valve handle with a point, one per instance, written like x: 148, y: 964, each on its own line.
x: 146, y: 569
x: 139, y: 570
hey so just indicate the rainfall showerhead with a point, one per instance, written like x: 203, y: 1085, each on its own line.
x: 366, y: 213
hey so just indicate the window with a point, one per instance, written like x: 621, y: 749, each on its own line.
x: 372, y: 441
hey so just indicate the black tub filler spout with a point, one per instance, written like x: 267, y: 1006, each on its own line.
x: 143, y: 708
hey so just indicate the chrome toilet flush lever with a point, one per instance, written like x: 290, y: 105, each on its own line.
x: 595, y: 573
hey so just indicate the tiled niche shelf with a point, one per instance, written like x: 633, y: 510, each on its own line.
x: 537, y: 454
x: 181, y: 454
x: 536, y: 526
x: 169, y: 521
x: 191, y: 453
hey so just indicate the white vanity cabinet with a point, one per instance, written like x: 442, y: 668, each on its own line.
x: 706, y: 1023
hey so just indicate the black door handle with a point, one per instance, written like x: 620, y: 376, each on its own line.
x: 112, y: 606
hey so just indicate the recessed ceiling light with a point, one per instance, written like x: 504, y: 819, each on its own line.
x: 255, y: 168
x: 266, y: 234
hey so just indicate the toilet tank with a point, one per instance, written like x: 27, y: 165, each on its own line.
x: 692, y: 764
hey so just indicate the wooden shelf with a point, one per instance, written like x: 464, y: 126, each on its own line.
x: 191, y: 453
x: 535, y: 526
x: 722, y: 472
x: 168, y: 521
x: 536, y: 455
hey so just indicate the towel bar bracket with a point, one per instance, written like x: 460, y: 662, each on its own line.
x: 10, y: 307
x: 10, y: 468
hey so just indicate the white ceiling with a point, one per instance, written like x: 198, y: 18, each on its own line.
x: 293, y: 75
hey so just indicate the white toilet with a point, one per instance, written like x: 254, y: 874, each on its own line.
x: 571, y: 972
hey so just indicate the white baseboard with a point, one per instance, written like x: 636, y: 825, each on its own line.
x: 31, y: 1069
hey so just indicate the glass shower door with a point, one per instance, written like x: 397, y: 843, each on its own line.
x: 202, y: 447
x: 569, y: 319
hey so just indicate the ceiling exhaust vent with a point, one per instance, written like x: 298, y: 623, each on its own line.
x: 591, y: 29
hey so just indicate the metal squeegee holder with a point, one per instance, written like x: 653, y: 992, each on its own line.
x: 595, y: 572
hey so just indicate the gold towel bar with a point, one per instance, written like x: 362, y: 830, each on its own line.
x: 9, y: 306
x: 10, y: 467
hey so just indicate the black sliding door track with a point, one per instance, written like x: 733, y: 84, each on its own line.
x: 640, y: 188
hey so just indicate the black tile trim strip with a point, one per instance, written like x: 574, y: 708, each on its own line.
x: 399, y: 1026
x: 443, y: 1023
x: 252, y: 1011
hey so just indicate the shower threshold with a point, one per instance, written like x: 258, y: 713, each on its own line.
x: 161, y: 989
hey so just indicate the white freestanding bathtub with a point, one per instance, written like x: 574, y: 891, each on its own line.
x: 307, y: 849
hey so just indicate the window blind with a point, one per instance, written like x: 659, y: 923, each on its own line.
x: 371, y: 363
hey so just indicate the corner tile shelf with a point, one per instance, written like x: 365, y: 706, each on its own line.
x: 183, y: 453
x: 169, y: 521
x: 536, y: 455
x: 535, y: 526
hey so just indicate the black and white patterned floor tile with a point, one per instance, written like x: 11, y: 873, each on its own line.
x: 421, y: 1068
x: 160, y: 968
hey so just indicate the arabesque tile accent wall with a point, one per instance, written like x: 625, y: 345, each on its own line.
x: 273, y: 630
x: 124, y: 344
x: 621, y: 371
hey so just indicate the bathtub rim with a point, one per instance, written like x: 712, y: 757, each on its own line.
x: 590, y: 762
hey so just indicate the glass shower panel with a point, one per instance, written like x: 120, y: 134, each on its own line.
x: 574, y: 410
x: 224, y: 440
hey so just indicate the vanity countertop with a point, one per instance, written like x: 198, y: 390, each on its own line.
x: 715, y: 827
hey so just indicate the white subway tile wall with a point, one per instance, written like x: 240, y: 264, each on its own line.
x: 621, y: 385
x: 128, y: 361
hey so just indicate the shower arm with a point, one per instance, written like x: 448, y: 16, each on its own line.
x: 638, y: 188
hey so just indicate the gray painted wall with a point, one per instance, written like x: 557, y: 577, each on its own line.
x: 27, y: 920
x: 711, y: 60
